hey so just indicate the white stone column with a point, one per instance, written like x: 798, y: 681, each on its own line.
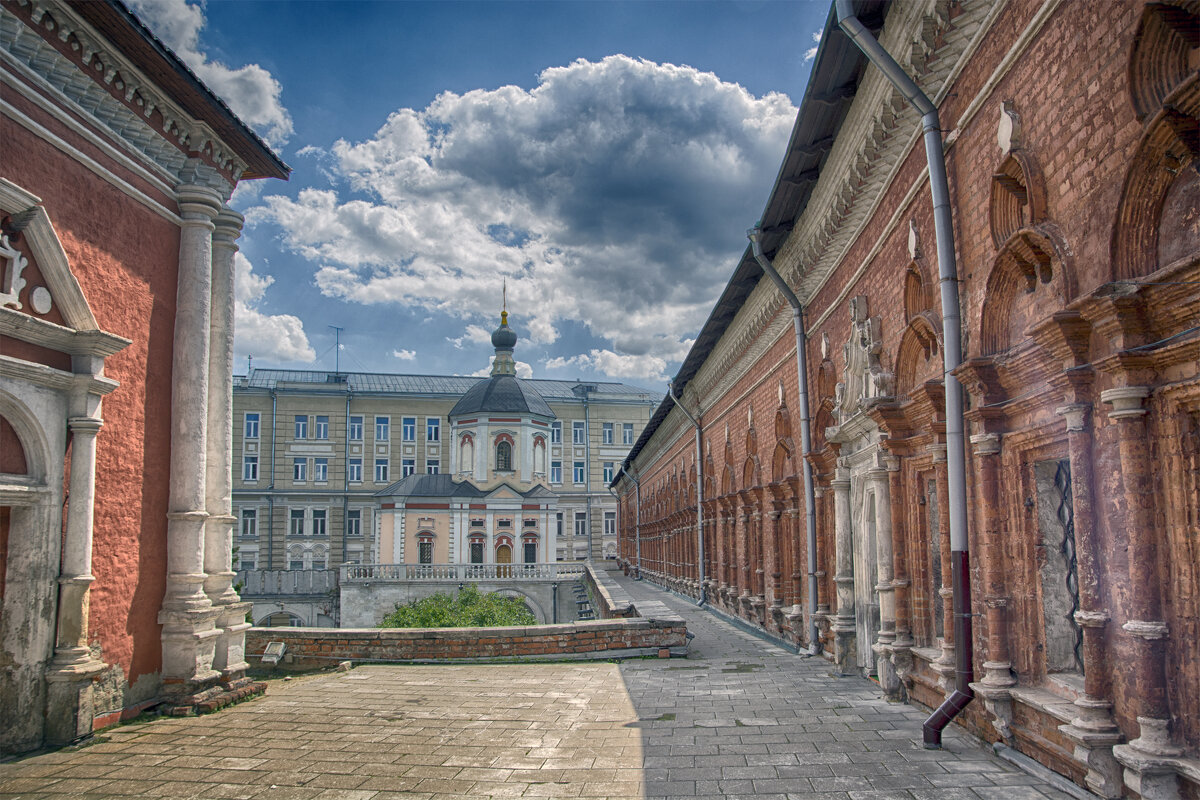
x: 69, y: 709
x: 844, y: 626
x: 880, y: 480
x: 229, y: 656
x: 188, y: 635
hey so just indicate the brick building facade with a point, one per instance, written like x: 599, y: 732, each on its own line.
x: 116, y: 342
x: 1071, y: 140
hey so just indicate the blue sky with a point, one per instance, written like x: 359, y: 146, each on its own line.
x: 603, y: 158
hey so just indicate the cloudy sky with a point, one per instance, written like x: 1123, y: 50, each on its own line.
x: 604, y: 159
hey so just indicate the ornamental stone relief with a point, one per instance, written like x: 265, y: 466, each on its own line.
x: 864, y: 378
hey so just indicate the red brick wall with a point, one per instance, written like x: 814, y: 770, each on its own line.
x: 317, y: 647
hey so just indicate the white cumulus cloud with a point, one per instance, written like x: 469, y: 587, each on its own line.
x: 250, y: 91
x: 405, y: 355
x: 649, y: 368
x: 811, y: 52
x: 614, y: 194
x: 273, y: 337
x: 524, y: 369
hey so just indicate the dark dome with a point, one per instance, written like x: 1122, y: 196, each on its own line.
x: 504, y: 338
x: 504, y: 394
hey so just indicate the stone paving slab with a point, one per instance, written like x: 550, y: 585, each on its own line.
x: 738, y: 718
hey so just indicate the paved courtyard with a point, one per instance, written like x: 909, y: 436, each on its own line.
x: 738, y: 718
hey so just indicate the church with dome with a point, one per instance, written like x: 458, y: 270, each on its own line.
x: 495, y: 505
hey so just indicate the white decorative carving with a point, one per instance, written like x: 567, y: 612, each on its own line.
x: 41, y: 300
x: 1008, y: 133
x: 864, y: 378
x: 15, y: 264
x: 914, y: 240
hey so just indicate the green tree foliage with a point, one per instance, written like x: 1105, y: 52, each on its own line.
x: 470, y: 609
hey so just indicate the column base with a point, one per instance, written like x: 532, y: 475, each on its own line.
x: 997, y: 702
x: 1094, y: 739
x: 845, y: 646
x: 70, y: 706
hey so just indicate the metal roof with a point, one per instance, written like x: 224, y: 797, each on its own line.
x: 444, y: 485
x: 836, y: 74
x: 553, y: 391
x: 502, y: 394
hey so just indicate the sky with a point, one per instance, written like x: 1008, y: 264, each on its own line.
x: 602, y: 160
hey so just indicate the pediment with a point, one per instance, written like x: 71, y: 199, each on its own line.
x: 41, y: 302
x: 504, y: 492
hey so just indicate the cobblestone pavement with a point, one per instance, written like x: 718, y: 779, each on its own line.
x: 738, y: 718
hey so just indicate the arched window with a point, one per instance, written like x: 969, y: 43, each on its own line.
x: 424, y: 548
x: 476, y: 550
x: 466, y: 454
x: 503, y: 457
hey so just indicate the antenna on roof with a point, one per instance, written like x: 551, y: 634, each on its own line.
x: 249, y: 363
x: 337, y: 348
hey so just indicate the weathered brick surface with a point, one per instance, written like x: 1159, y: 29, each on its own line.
x: 1096, y: 175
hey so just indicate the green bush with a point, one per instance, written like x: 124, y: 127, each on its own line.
x: 469, y: 609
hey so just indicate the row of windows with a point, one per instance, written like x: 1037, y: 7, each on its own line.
x: 302, y: 523
x: 354, y: 469
x: 320, y: 429
x: 579, y: 433
x: 578, y: 471
x: 610, y: 523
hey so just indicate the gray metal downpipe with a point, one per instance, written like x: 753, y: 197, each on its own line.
x: 699, y: 497
x: 810, y: 515
x: 943, y: 224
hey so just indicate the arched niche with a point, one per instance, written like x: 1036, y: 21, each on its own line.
x: 782, y: 460
x: 1031, y: 278
x: 1018, y: 198
x: 918, y: 291
x: 917, y: 358
x: 751, y: 473
x: 1156, y: 220
x: 1165, y: 53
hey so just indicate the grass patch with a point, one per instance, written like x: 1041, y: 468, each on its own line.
x: 468, y: 609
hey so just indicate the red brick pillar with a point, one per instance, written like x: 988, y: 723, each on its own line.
x: 1132, y: 514
x: 1092, y: 730
x: 944, y: 666
x: 772, y: 555
x: 902, y: 646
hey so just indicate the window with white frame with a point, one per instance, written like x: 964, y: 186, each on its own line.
x: 301, y: 427
x: 296, y: 522
x: 251, y: 425
x: 556, y: 472
x: 425, y: 551
x: 503, y: 456
x: 627, y: 433
x: 354, y: 470
x: 607, y: 433
x: 558, y: 523
x: 608, y: 472
x: 408, y: 429
x: 556, y: 432
x: 578, y: 433
x: 299, y: 469
x: 322, y: 428
x: 381, y: 470
x: 246, y: 561
x: 295, y: 563
x: 610, y: 523
x: 320, y: 559
x: 249, y: 523
x: 407, y: 467
x: 356, y: 429
x: 433, y: 429
x: 319, y: 520
x: 581, y: 523
x: 249, y: 468
x: 354, y: 522
x: 320, y: 470
x: 577, y: 472
x: 432, y: 466
x: 382, y: 429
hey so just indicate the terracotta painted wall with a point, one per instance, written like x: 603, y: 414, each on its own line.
x: 124, y: 257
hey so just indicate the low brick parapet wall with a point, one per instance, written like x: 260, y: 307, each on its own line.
x: 662, y: 635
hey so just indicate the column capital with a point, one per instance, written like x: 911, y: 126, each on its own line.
x: 938, y: 451
x: 85, y: 425
x: 1126, y: 401
x: 228, y: 227
x: 986, y: 444
x: 198, y: 205
x: 1076, y: 415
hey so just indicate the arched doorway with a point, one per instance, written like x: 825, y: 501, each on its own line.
x: 503, y: 556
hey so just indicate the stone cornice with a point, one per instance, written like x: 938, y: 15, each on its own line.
x: 56, y: 337
x: 859, y: 169
x: 119, y: 97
